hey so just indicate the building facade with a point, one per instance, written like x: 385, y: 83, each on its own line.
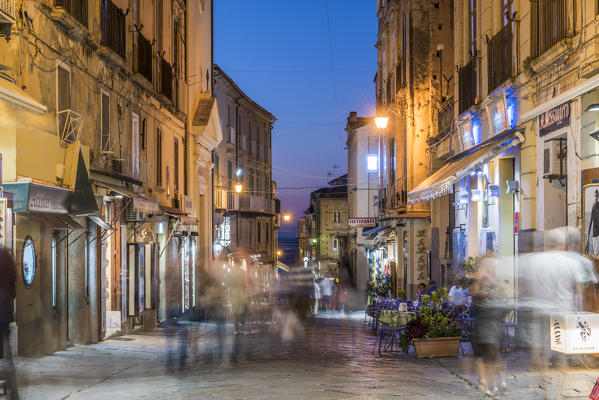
x: 413, y: 77
x: 99, y: 129
x: 363, y: 141
x: 328, y: 230
x: 245, y: 220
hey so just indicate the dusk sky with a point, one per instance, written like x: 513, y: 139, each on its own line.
x: 278, y: 53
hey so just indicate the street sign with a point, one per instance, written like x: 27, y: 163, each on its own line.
x: 362, y: 222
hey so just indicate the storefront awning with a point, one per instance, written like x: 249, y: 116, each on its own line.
x: 373, y: 231
x: 139, y: 204
x: 441, y: 182
x: 100, y: 222
x: 58, y: 221
x: 283, y: 266
x: 173, y: 212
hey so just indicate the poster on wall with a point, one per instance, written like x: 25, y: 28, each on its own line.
x: 590, y: 220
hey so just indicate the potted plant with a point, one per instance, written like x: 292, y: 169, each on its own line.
x: 433, y: 333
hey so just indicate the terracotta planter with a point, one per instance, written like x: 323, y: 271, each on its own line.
x: 437, y: 347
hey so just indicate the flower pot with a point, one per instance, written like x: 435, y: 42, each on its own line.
x: 437, y: 347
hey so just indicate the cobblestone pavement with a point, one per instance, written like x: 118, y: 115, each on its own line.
x: 333, y: 360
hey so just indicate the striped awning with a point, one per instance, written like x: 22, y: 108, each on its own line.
x: 441, y: 182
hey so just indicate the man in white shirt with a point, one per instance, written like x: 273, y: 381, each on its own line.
x: 326, y: 287
x: 457, y: 294
x: 317, y: 296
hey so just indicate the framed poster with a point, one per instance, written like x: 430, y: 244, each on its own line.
x: 590, y: 220
x: 28, y: 262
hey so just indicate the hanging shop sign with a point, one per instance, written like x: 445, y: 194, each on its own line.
x: 465, y: 130
x: 554, y: 119
x: 365, y: 222
x: 497, y: 114
x: 574, y: 332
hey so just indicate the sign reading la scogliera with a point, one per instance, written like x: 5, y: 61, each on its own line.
x: 554, y: 119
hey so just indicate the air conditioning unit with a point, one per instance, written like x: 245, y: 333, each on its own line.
x: 554, y: 158
x: 133, y: 216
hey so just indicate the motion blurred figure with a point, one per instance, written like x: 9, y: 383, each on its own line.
x: 317, y: 296
x: 8, y: 279
x: 489, y: 309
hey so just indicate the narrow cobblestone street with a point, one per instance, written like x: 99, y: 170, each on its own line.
x: 334, y: 361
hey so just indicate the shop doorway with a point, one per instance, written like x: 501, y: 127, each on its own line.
x: 555, y: 185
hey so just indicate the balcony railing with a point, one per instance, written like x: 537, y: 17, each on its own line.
x: 76, y: 8
x: 7, y: 7
x: 467, y: 77
x: 549, y: 24
x: 113, y: 27
x: 166, y: 79
x: 500, y: 57
x: 445, y: 118
x: 144, y: 57
x: 70, y: 125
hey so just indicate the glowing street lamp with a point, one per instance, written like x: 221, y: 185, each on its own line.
x: 381, y: 122
x: 279, y: 252
x: 314, y: 241
x: 286, y: 217
x: 238, y: 187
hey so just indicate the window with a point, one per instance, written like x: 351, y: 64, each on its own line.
x: 176, y: 166
x: 472, y: 27
x: 105, y: 121
x: 373, y: 162
x: 337, y: 216
x: 392, y: 160
x: 228, y: 123
x: 63, y: 77
x: 158, y: 157
x: 335, y: 244
x: 549, y: 24
x: 135, y: 144
x: 250, y: 136
x: 229, y: 174
x: 142, y: 139
x: 507, y: 10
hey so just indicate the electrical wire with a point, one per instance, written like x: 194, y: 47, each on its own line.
x: 326, y: 4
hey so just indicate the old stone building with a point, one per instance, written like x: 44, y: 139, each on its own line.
x: 101, y: 132
x: 414, y: 73
x: 246, y: 216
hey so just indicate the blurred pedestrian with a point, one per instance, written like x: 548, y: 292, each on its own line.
x: 421, y: 291
x: 317, y: 296
x: 489, y: 310
x: 7, y: 297
x: 458, y: 295
x: 432, y: 287
x: 327, y: 292
x: 341, y: 296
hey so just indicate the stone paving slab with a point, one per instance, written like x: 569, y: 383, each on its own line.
x: 334, y: 360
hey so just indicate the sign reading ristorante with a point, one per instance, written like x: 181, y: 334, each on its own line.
x: 554, y: 119
x: 362, y: 222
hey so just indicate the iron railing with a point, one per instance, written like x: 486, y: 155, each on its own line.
x: 166, y: 79
x: 500, y: 57
x: 445, y: 118
x: 76, y: 8
x: 144, y: 57
x: 8, y: 7
x: 549, y: 24
x: 70, y: 124
x: 113, y: 27
x: 467, y: 77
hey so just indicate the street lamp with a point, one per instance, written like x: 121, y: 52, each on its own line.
x: 238, y: 187
x: 381, y: 122
x: 286, y: 217
x: 279, y: 252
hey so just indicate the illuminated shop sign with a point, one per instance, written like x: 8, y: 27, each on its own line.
x: 465, y: 130
x: 574, y: 332
x: 497, y: 114
x: 554, y: 119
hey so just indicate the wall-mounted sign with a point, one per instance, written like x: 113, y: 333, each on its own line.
x: 574, y: 332
x: 20, y: 195
x: 554, y: 119
x: 362, y: 222
x: 28, y: 197
x: 497, y: 114
x: 28, y: 262
x: 465, y: 130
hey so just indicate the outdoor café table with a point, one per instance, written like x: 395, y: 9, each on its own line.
x: 396, y: 318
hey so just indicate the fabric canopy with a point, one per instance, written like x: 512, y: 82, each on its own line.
x: 441, y: 182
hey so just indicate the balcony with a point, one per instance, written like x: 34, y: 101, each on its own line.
x: 113, y: 28
x: 166, y: 79
x: 75, y: 8
x: 7, y: 15
x: 549, y: 24
x: 500, y: 57
x: 143, y: 59
x: 467, y: 76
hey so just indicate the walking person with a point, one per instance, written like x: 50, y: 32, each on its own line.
x: 327, y: 292
x: 8, y: 279
x: 317, y: 296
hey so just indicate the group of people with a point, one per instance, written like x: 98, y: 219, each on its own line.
x: 329, y: 295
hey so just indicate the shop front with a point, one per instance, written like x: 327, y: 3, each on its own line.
x: 481, y: 178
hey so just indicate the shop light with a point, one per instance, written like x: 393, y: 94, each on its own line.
x: 593, y: 107
x: 373, y: 161
x: 314, y: 241
x: 381, y: 122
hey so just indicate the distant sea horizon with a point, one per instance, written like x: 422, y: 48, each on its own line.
x: 289, y: 246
